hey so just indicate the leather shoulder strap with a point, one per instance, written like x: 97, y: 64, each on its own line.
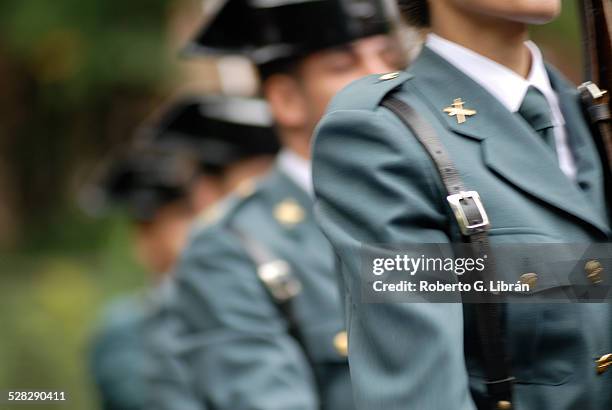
x: 277, y: 277
x: 473, y: 223
x: 596, y: 103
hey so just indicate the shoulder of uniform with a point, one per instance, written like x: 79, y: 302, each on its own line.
x: 222, y: 212
x: 123, y: 312
x: 367, y: 92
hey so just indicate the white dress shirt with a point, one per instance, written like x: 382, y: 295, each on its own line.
x: 509, y: 87
x: 296, y: 168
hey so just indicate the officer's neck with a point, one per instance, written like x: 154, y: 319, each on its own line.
x: 497, y: 39
x: 296, y: 140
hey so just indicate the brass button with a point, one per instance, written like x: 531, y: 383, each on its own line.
x: 594, y: 271
x: 389, y: 76
x: 604, y: 363
x: 530, y: 279
x: 341, y: 343
x: 289, y: 212
x: 504, y: 405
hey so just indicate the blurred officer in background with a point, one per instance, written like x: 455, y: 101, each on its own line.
x: 258, y: 315
x: 231, y: 137
x: 182, y: 164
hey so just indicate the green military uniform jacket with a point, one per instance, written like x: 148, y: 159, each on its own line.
x: 232, y: 336
x: 118, y: 357
x: 167, y: 381
x: 375, y: 184
x: 129, y: 371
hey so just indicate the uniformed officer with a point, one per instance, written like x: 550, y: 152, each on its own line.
x: 513, y: 129
x: 256, y: 296
x: 186, y: 158
x: 154, y: 186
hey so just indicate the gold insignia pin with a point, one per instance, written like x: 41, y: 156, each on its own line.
x: 456, y: 109
x: 289, y: 212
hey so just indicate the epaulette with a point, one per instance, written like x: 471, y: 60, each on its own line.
x: 225, y: 208
x: 367, y: 93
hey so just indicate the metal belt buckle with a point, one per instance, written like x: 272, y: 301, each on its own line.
x: 458, y: 205
x: 277, y: 277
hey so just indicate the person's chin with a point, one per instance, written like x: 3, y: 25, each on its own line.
x: 530, y: 18
x: 540, y: 12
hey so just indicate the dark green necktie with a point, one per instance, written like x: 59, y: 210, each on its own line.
x: 536, y: 111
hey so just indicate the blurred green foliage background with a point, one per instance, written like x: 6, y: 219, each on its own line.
x: 76, y: 78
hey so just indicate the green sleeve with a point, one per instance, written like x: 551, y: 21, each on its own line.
x: 375, y: 185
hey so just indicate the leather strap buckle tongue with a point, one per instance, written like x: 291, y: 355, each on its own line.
x: 593, y: 89
x: 470, y: 212
x: 596, y: 101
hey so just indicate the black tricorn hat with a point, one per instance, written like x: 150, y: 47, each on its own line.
x: 270, y: 30
x: 142, y: 180
x: 218, y: 130
x: 171, y: 148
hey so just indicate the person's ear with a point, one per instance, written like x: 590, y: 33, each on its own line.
x: 286, y: 101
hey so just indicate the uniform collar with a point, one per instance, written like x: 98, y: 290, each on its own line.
x: 296, y: 168
x: 504, y: 84
x: 508, y: 144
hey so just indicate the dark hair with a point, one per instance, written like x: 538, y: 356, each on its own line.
x: 416, y: 12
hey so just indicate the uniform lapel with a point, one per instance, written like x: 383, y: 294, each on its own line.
x: 510, y: 148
